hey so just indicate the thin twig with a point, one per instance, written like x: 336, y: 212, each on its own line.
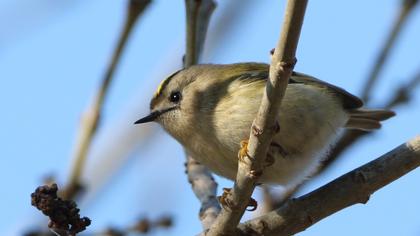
x: 202, y: 182
x: 352, y: 136
x: 354, y: 187
x: 91, y: 118
x: 264, y: 126
x: 403, y: 12
x: 401, y: 96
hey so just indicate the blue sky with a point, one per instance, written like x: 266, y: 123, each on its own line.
x: 53, y: 54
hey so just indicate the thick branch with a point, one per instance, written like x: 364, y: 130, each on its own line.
x: 202, y: 182
x: 264, y: 126
x: 354, y: 187
x: 91, y: 118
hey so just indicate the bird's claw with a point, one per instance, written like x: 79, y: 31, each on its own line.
x: 243, y: 152
x: 228, y: 204
x: 253, y: 204
x: 224, y: 199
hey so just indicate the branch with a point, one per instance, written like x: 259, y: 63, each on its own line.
x: 198, y: 16
x: 202, y: 182
x: 352, y: 136
x: 404, y: 11
x: 205, y: 188
x: 401, y: 96
x: 91, y: 118
x: 354, y: 187
x: 264, y: 126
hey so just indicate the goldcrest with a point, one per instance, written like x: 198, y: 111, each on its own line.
x: 209, y: 109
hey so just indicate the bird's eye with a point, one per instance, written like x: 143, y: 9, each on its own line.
x: 175, y: 97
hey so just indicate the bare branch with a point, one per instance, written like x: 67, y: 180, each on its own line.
x: 91, y: 118
x: 401, y: 96
x: 354, y: 187
x: 403, y: 12
x: 205, y: 188
x: 202, y: 182
x: 264, y: 126
x: 198, y: 16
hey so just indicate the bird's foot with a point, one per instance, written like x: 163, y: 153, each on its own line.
x: 227, y: 203
x: 253, y: 204
x: 224, y: 199
x: 243, y: 152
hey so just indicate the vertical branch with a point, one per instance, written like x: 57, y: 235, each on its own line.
x: 198, y: 14
x: 404, y: 11
x: 91, y: 118
x: 251, y: 165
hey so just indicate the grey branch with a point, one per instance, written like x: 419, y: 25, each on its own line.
x: 203, y: 185
x: 401, y: 96
x: 354, y: 187
x: 205, y: 188
x: 403, y: 12
x: 91, y: 118
x: 198, y: 18
x: 263, y: 127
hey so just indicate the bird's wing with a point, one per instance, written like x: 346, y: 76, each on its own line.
x: 349, y: 100
x: 256, y: 72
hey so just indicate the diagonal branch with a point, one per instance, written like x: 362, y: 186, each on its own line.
x: 401, y: 96
x: 202, y: 182
x: 404, y: 93
x: 354, y: 187
x: 264, y: 126
x: 91, y: 118
x: 404, y: 11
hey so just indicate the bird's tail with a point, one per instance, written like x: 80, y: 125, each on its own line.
x: 367, y: 119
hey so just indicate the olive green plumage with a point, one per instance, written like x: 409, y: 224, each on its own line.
x: 209, y: 110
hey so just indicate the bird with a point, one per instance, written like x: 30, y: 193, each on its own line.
x: 209, y: 110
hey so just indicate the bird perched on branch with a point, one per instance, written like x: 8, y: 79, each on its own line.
x: 209, y: 109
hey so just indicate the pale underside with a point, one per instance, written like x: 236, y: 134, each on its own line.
x: 306, y: 132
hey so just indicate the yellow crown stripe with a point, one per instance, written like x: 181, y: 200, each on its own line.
x: 159, y: 88
x: 164, y: 83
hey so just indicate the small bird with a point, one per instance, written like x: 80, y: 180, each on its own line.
x: 209, y: 109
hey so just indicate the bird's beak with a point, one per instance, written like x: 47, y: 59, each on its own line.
x: 153, y: 116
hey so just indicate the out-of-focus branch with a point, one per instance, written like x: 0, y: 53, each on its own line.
x: 91, y: 118
x: 198, y: 17
x: 352, y: 136
x: 401, y: 96
x: 354, y: 187
x: 205, y: 188
x: 251, y: 165
x: 202, y: 182
x: 403, y: 12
